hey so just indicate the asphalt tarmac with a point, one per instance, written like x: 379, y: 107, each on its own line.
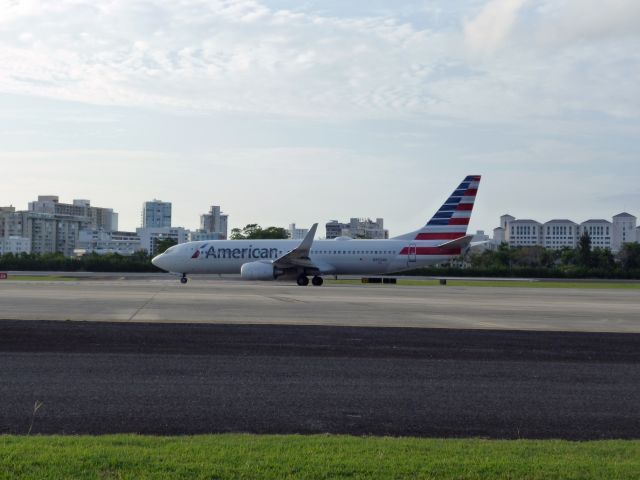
x: 164, y: 378
x: 236, y: 302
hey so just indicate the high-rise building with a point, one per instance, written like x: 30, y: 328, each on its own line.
x: 101, y: 242
x: 149, y: 237
x: 558, y: 234
x: 623, y: 231
x: 334, y: 229
x: 15, y: 245
x: 523, y: 233
x: 156, y: 214
x: 47, y: 232
x: 97, y: 218
x: 215, y: 222
x: 599, y: 231
x: 297, y: 233
x: 357, y: 228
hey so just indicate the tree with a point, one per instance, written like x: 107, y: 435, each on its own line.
x: 164, y: 244
x: 254, y: 231
x: 630, y: 256
x: 584, y: 250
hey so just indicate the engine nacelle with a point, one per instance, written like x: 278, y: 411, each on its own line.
x: 259, y: 271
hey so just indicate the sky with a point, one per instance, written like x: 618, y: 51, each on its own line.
x: 302, y: 111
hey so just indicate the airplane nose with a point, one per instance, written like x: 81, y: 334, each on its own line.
x: 158, y: 261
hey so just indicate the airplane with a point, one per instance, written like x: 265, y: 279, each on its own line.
x: 443, y: 237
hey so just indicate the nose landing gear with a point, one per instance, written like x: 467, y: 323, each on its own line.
x: 184, y: 279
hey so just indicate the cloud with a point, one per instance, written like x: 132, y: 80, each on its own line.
x: 509, y: 59
x: 489, y: 28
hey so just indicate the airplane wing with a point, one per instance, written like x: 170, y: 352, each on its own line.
x: 299, y: 256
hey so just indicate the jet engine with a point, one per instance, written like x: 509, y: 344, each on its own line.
x: 259, y: 271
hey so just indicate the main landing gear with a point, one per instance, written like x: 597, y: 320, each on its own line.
x: 184, y: 279
x: 303, y: 280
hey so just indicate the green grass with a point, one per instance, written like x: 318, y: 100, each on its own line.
x: 311, y: 457
x: 40, y: 278
x: 499, y: 283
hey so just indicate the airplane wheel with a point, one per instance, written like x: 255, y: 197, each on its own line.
x: 303, y: 281
x: 183, y: 280
x: 317, y: 281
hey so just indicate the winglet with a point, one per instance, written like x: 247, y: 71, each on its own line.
x: 299, y: 255
x: 306, y: 243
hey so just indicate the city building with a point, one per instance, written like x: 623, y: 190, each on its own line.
x: 599, y: 231
x: 156, y: 214
x: 334, y: 229
x: 15, y: 245
x: 623, y: 231
x: 102, y: 242
x: 149, y: 237
x: 48, y: 232
x: 215, y: 222
x: 97, y: 218
x: 297, y: 233
x: 200, y: 236
x: 558, y: 234
x: 357, y: 228
x: 523, y: 233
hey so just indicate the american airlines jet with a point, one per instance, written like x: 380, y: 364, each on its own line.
x: 443, y: 237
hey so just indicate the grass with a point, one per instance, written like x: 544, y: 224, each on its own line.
x: 500, y: 283
x: 40, y: 278
x: 311, y: 457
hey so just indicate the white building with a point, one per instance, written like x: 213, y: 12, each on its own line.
x: 48, y: 232
x: 334, y: 229
x: 97, y: 218
x: 623, y: 231
x: 101, y: 242
x: 482, y: 242
x: 149, y: 237
x: 297, y: 233
x: 15, y: 245
x: 357, y: 228
x: 558, y: 234
x: 215, y: 222
x: 200, y: 236
x: 523, y: 233
x: 599, y: 231
x: 156, y: 214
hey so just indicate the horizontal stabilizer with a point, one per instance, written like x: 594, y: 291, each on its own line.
x: 462, y: 242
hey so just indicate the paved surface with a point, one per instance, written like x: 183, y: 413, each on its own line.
x: 188, y: 378
x: 232, y: 301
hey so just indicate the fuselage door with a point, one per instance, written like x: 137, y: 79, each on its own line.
x: 411, y: 258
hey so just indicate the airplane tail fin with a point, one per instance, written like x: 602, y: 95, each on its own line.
x: 452, y: 219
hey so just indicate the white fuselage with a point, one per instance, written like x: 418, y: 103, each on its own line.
x: 333, y: 257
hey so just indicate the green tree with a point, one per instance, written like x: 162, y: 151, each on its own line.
x: 630, y: 256
x: 254, y: 231
x: 583, y: 252
x: 164, y: 244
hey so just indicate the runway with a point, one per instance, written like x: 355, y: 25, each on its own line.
x: 148, y: 355
x: 237, y: 302
x: 98, y: 378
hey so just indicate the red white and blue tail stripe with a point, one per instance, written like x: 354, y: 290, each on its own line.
x: 452, y: 219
